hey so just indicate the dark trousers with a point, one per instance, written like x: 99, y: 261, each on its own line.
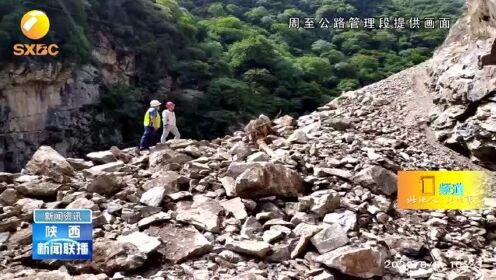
x: 147, y: 138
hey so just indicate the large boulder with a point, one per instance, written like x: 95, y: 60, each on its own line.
x: 142, y: 241
x: 153, y: 196
x: 363, y: 262
x: 180, y: 243
x: 264, y: 179
x: 101, y: 157
x: 80, y: 164
x: 248, y: 247
x: 169, y: 180
x: 105, y: 183
x: 236, y: 207
x: 378, y: 179
x: 39, y: 190
x: 167, y: 156
x: 112, y: 256
x: 298, y: 136
x: 46, y: 161
x: 236, y: 168
x: 107, y: 167
x: 82, y: 203
x: 204, y: 214
x: 330, y: 238
x: 346, y: 219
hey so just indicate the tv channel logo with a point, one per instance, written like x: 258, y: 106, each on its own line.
x: 430, y: 190
x: 62, y: 234
x: 35, y: 25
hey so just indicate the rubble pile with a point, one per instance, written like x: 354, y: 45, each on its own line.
x: 321, y: 207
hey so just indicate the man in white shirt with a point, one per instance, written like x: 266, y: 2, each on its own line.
x: 169, y: 119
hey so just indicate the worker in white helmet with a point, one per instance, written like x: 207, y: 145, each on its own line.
x: 151, y: 123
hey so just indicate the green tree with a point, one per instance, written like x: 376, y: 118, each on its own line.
x: 254, y: 51
x: 321, y: 46
x: 315, y: 68
x: 217, y: 9
x: 122, y: 103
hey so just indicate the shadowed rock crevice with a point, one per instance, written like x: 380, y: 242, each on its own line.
x: 488, y: 59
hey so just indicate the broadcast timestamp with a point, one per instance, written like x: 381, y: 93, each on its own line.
x: 402, y: 264
x: 406, y: 266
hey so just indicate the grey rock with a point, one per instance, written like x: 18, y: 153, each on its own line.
x: 341, y: 173
x: 9, y: 196
x: 339, y: 124
x: 106, y: 184
x: 180, y: 243
x: 251, y: 227
x: 248, y: 247
x: 346, y: 219
x: 330, y: 238
x: 240, y: 150
x: 155, y: 218
x: 258, y: 157
x: 280, y: 222
x: 280, y: 252
x: 145, y: 243
x: 180, y: 195
x: 325, y: 203
x: 298, y: 136
x: 364, y: 262
x: 301, y: 246
x: 21, y: 237
x: 82, y: 203
x: 101, y: 157
x: 46, y: 161
x: 266, y: 179
x: 302, y: 217
x: 27, y: 178
x: 272, y: 235
x: 158, y: 159
x: 231, y: 256
x: 377, y: 179
x: 306, y: 229
x: 4, y: 236
x: 28, y: 204
x: 39, y: 190
x: 153, y: 197
x: 80, y: 164
x: 236, y: 207
x: 169, y: 180
x: 285, y: 120
x: 204, y: 215
x: 405, y: 246
x: 131, y: 216
x: 324, y: 276
x: 111, y: 256
x: 107, y: 167
x: 9, y: 224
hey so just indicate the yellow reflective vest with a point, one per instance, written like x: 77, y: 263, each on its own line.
x: 147, y: 121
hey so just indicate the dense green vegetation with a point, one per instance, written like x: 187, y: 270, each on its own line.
x: 241, y: 54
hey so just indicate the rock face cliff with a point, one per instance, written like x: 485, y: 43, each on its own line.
x: 463, y: 73
x: 51, y: 104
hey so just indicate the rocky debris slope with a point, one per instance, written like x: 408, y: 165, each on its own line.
x: 322, y: 205
x: 463, y: 84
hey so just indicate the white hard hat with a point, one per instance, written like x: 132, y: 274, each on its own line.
x: 155, y: 103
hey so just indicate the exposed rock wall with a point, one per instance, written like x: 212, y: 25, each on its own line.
x: 463, y: 76
x: 53, y: 104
